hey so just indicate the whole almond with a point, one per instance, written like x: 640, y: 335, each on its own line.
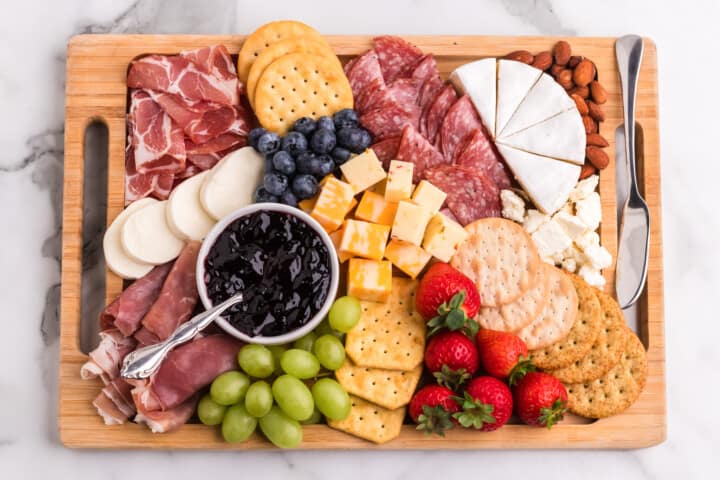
x: 596, y: 140
x: 596, y: 111
x: 580, y: 103
x: 598, y: 92
x: 565, y: 79
x: 574, y: 60
x: 521, y: 56
x: 597, y: 157
x: 543, y: 60
x: 584, y: 92
x: 586, y: 170
x: 556, y: 69
x: 584, y: 73
x: 562, y: 52
x: 589, y: 124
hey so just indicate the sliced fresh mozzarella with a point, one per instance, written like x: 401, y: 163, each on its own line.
x: 146, y: 236
x: 185, y: 216
x: 561, y: 137
x: 115, y: 257
x: 231, y: 183
x: 546, y: 99
x: 548, y: 182
x: 478, y: 80
x: 515, y: 79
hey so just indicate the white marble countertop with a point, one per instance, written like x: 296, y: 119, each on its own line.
x: 33, y: 36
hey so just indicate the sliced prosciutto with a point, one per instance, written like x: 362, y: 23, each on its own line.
x: 159, y: 421
x: 106, y: 360
x: 416, y: 149
x: 396, y: 56
x: 470, y: 194
x: 480, y: 155
x: 216, y: 61
x: 114, y: 403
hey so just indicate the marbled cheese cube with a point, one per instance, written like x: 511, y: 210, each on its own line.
x: 364, y: 239
x: 333, y: 203
x: 409, y: 258
x: 336, y: 238
x: 374, y: 208
x: 442, y: 237
x: 369, y: 279
x: 399, y: 181
x: 410, y: 222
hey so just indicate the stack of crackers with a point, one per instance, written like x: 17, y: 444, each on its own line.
x: 290, y: 72
x: 572, y: 330
x: 385, y: 351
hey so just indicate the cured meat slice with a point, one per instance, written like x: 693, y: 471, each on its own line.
x: 159, y: 421
x: 216, y: 61
x: 448, y: 213
x: 460, y: 122
x: 141, y: 185
x: 480, y: 156
x: 416, y: 149
x: 437, y: 111
x: 114, y: 403
x: 364, y: 99
x: 364, y: 71
x: 127, y: 311
x: 395, y: 55
x: 390, y: 121
x: 348, y: 66
x: 401, y: 93
x: 425, y: 69
x: 105, y: 361
x: 470, y: 195
x: 386, y: 150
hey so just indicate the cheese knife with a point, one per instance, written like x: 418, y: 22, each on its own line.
x: 634, y: 237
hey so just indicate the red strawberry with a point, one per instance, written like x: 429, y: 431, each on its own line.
x: 487, y: 405
x: 452, y: 358
x: 432, y: 408
x: 503, y: 355
x: 438, y: 292
x: 540, y: 399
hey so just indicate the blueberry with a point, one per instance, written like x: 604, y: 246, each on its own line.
x: 289, y: 198
x: 268, y: 142
x: 304, y: 162
x: 275, y: 183
x: 322, y: 141
x: 305, y: 125
x: 322, y: 165
x: 269, y: 167
x: 304, y: 186
x: 283, y: 162
x: 326, y: 122
x: 253, y: 136
x: 262, y: 196
x: 354, y: 139
x: 345, y: 118
x: 341, y: 155
x: 295, y: 143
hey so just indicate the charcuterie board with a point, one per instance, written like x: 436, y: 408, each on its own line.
x: 96, y: 91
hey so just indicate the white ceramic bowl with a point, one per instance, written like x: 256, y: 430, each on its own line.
x: 272, y: 207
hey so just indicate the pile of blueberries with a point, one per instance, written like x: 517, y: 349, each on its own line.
x: 311, y: 150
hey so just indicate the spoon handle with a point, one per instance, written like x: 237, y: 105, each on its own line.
x: 629, y: 52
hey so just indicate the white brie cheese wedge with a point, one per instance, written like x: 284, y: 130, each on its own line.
x: 146, y: 236
x: 115, y: 257
x: 185, y: 216
x: 514, y: 79
x: 478, y: 80
x: 232, y: 182
x: 547, y: 182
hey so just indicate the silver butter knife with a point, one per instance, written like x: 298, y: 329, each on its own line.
x: 634, y: 238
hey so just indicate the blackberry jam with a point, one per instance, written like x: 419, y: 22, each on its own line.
x: 281, y: 266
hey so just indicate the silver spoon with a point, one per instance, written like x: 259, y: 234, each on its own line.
x: 143, y: 362
x: 634, y: 239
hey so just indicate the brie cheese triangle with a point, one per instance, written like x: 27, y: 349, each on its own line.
x: 478, y: 80
x: 515, y: 79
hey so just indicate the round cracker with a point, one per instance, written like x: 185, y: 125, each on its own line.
x: 282, y: 48
x: 558, y: 315
x: 500, y: 257
x: 267, y: 35
x: 300, y: 85
x: 582, y: 335
x: 520, y: 313
x: 615, y: 391
x: 605, y: 351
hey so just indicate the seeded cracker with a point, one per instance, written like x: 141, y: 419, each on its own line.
x: 371, y: 422
x: 387, y: 388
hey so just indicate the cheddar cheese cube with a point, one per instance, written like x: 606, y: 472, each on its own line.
x: 308, y: 204
x: 363, y: 171
x: 369, y: 279
x: 399, y: 181
x: 336, y: 238
x: 378, y: 187
x: 442, y: 237
x: 364, y: 239
x: 409, y: 258
x: 332, y: 204
x: 374, y: 208
x: 410, y: 222
x: 429, y: 196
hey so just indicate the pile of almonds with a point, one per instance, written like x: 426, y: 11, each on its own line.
x: 578, y: 76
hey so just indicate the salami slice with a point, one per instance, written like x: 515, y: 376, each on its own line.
x: 460, y: 122
x: 438, y: 109
x: 390, y: 121
x: 395, y: 55
x: 351, y: 63
x: 428, y: 92
x: 402, y: 92
x: 364, y: 99
x: 446, y: 211
x: 386, y: 150
x: 415, y: 148
x: 363, y: 71
x: 425, y: 69
x: 470, y: 195
x: 479, y: 155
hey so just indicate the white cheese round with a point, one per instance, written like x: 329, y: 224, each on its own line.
x: 146, y: 236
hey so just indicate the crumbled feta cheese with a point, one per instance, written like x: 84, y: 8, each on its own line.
x: 584, y: 188
x: 574, y: 253
x: 550, y: 239
x: 569, y: 264
x: 598, y: 256
x: 534, y: 219
x: 587, y: 240
x: 589, y: 210
x: 513, y: 207
x: 567, y: 208
x: 571, y: 224
x: 592, y: 276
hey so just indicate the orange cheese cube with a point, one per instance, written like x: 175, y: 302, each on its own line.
x: 364, y: 239
x: 369, y: 279
x: 308, y: 204
x: 374, y: 208
x: 442, y: 237
x: 336, y: 237
x: 332, y: 204
x: 399, y: 181
x: 409, y: 258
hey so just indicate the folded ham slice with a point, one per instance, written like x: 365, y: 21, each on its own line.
x: 105, y: 361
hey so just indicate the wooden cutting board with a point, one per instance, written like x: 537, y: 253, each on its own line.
x: 96, y: 91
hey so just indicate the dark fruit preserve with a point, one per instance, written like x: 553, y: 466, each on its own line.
x: 281, y: 266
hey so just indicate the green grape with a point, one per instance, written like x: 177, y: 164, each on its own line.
x: 331, y: 399
x: 305, y: 342
x: 330, y: 352
x: 259, y: 399
x: 344, y: 314
x: 277, y: 351
x: 229, y: 388
x: 314, y: 419
x: 209, y: 412
x: 325, y: 329
x: 238, y: 425
x: 256, y: 360
x: 281, y: 430
x: 299, y: 363
x: 293, y: 397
